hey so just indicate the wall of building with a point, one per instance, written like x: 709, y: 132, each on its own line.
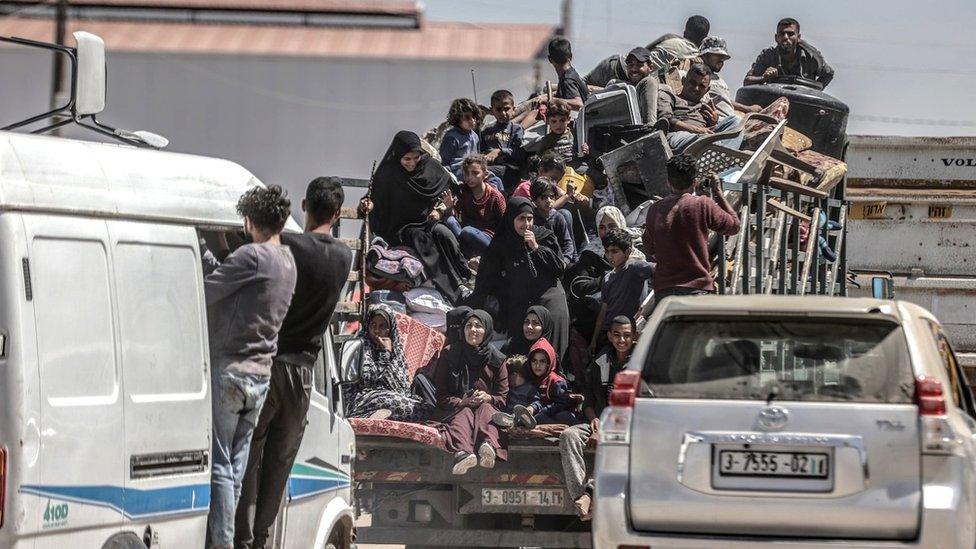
x: 286, y: 119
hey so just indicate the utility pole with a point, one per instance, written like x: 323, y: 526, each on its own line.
x: 566, y: 19
x: 57, y: 80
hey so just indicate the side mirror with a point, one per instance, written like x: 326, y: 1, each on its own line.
x: 882, y: 287
x: 90, y: 83
x: 350, y: 360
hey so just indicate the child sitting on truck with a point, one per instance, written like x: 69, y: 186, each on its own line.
x: 555, y: 403
x: 501, y: 143
x: 521, y: 394
x: 543, y: 192
x: 462, y: 139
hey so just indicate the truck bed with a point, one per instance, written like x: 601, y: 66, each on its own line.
x: 404, y: 481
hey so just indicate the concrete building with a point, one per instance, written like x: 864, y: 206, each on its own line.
x: 291, y: 89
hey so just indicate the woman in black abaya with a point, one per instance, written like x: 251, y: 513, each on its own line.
x: 407, y: 186
x: 532, y: 263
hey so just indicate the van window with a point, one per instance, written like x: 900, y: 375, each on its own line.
x: 160, y: 314
x: 73, y: 315
x: 748, y: 358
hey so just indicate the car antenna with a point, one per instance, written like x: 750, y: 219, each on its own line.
x: 87, y: 97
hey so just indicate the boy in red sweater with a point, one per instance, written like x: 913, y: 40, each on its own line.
x: 481, y: 207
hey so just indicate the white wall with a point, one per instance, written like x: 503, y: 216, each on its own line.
x: 286, y: 119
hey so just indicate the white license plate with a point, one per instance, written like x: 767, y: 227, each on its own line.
x: 523, y: 497
x: 815, y: 465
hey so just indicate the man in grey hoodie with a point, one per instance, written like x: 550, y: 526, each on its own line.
x: 247, y: 298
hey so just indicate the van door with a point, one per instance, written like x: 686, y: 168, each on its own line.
x: 161, y: 315
x: 321, y: 471
x: 81, y: 478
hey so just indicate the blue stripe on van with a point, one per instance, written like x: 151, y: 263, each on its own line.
x: 306, y: 480
x: 310, y: 479
x: 131, y: 502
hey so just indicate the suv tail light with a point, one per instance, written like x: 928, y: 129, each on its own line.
x: 938, y: 436
x: 625, y: 387
x: 615, y: 423
x: 929, y: 397
x: 3, y: 482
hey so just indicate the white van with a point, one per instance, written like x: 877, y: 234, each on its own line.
x: 104, y: 363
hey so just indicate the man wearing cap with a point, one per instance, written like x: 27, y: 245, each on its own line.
x: 634, y: 69
x: 791, y: 56
x: 713, y: 53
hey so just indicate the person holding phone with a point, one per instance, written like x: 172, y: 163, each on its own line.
x: 677, y: 227
x: 522, y: 267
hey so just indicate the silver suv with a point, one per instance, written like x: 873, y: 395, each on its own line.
x: 807, y: 420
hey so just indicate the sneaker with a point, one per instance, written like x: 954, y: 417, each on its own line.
x: 503, y: 420
x: 463, y: 462
x: 486, y: 456
x: 524, y: 417
x: 382, y: 413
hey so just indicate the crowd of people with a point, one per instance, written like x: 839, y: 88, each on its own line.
x: 545, y: 281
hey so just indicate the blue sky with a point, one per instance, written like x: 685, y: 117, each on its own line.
x: 904, y: 67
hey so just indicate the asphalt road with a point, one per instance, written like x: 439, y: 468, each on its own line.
x: 365, y: 521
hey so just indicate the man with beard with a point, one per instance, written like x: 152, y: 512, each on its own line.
x: 690, y: 113
x: 791, y: 56
x: 635, y: 69
x: 714, y: 53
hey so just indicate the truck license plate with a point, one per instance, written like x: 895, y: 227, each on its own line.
x: 773, y: 464
x: 522, y: 497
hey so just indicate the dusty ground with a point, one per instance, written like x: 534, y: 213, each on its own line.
x: 364, y: 521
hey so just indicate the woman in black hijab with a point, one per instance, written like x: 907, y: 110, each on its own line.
x: 536, y: 325
x: 472, y: 384
x: 455, y: 323
x: 408, y: 184
x: 522, y: 267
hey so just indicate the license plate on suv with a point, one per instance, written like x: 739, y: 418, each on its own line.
x: 773, y: 464
x: 521, y: 497
x: 772, y: 468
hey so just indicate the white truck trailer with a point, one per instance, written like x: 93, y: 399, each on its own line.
x: 913, y: 216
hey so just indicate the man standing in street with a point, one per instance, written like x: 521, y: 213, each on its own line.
x: 676, y: 232
x: 247, y: 298
x: 323, y: 264
x: 791, y: 56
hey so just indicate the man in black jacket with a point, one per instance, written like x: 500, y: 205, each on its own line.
x: 323, y: 266
x: 791, y: 56
x: 599, y: 384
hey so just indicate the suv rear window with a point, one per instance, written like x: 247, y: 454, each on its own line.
x: 749, y: 358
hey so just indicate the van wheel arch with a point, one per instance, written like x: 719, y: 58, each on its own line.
x: 341, y: 536
x: 124, y: 540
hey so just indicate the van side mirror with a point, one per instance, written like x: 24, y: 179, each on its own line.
x: 882, y: 287
x: 90, y: 79
x: 350, y: 360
